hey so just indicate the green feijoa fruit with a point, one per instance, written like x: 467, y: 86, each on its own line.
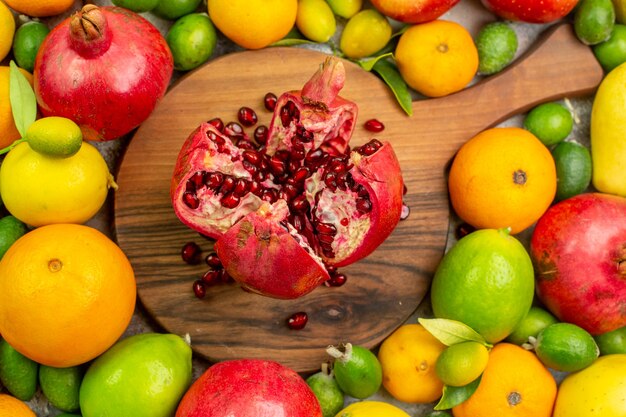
x: 357, y: 370
x: 497, y: 44
x: 535, y: 321
x: 327, y: 391
x: 173, y: 9
x: 144, y: 375
x: 345, y: 8
x: 550, y: 122
x: 192, y: 40
x: 566, y: 347
x: 573, y: 169
x: 26, y: 42
x: 11, y: 229
x: 612, y: 52
x: 137, y: 6
x: 61, y: 386
x: 18, y: 373
x: 594, y: 21
x: 315, y: 20
x: 54, y: 136
x: 461, y: 363
x: 366, y: 33
x: 612, y: 342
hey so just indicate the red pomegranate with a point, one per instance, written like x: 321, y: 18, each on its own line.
x: 103, y: 67
x: 249, y: 388
x: 578, y: 248
x: 283, y: 209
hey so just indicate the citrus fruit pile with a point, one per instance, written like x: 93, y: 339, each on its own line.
x: 493, y: 338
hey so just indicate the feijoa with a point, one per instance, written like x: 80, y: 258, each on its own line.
x: 573, y: 169
x: 357, y: 370
x: 594, y: 21
x: 496, y: 43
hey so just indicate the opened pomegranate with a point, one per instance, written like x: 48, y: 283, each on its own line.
x: 103, y: 67
x: 282, y: 213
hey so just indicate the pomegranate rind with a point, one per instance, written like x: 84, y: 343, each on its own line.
x: 264, y: 257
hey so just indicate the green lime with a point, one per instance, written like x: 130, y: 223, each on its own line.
x: 173, y: 9
x: 327, y: 391
x: 612, y: 342
x: 496, y: 43
x: 612, y: 52
x: 550, y: 122
x: 54, y: 136
x: 61, y: 386
x: 137, y: 6
x: 143, y: 375
x: 345, y: 8
x: 535, y: 321
x: 366, y: 33
x: 192, y: 40
x: 486, y: 280
x: 26, y: 42
x: 18, y: 373
x: 573, y: 169
x: 594, y: 21
x: 357, y: 370
x: 566, y: 347
x: 11, y: 229
x: 461, y: 363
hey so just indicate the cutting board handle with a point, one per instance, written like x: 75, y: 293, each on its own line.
x: 557, y: 66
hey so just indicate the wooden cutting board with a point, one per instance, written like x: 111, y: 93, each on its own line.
x: 383, y: 290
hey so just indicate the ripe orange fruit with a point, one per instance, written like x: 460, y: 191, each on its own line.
x: 39, y: 8
x: 253, y: 24
x: 12, y: 407
x: 67, y: 293
x: 514, y: 384
x: 7, y: 30
x: 7, y: 125
x: 437, y: 58
x: 502, y: 177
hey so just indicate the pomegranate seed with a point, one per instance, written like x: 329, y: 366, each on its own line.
x: 190, y: 186
x: 227, y: 185
x: 336, y: 280
x: 345, y: 222
x: 244, y: 144
x: 374, y: 125
x: 191, y: 200
x: 298, y: 153
x: 370, y: 147
x: 301, y: 174
x: 283, y: 155
x: 363, y: 205
x: 234, y: 130
x: 252, y: 156
x: 291, y: 191
x: 285, y: 117
x: 241, y: 187
x: 300, y: 204
x: 463, y: 230
x: 225, y: 277
x: 270, y: 195
x: 326, y: 228
x: 247, y: 116
x: 298, y: 221
x: 230, y: 201
x: 199, y: 289
x: 213, y: 260
x: 191, y: 253
x: 255, y: 188
x: 277, y: 166
x: 269, y: 101
x: 304, y: 135
x: 211, y: 277
x: 217, y: 123
x: 406, y: 210
x: 198, y: 179
x: 332, y: 269
x: 260, y: 134
x: 214, y: 179
x: 298, y: 320
x: 327, y: 239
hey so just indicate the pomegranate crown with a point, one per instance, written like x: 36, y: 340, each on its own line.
x: 325, y: 84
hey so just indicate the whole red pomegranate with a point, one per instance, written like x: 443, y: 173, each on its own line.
x: 578, y: 248
x: 301, y: 199
x: 249, y: 388
x: 103, y: 67
x: 531, y: 11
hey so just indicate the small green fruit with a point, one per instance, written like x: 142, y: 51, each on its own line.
x: 11, y: 229
x: 366, y: 33
x: 18, y: 373
x: 26, y: 42
x: 573, y: 169
x: 137, y: 6
x: 612, y: 52
x: 61, y: 386
x: 57, y: 137
x: 461, y: 363
x: 192, y: 40
x: 496, y: 44
x: 357, y: 370
x: 535, y: 321
x: 345, y: 8
x: 327, y: 391
x: 612, y: 342
x: 173, y: 9
x: 566, y: 347
x: 594, y: 21
x: 550, y: 122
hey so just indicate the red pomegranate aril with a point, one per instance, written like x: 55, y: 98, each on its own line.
x: 336, y: 280
x: 190, y: 186
x: 285, y: 117
x: 298, y: 221
x: 191, y: 253
x: 252, y: 156
x: 224, y: 277
x: 247, y: 116
x: 217, y: 123
x: 290, y: 190
x: 248, y: 166
x: 191, y: 200
x: 211, y: 277
x: 363, y: 205
x: 230, y: 201
x: 298, y: 154
x: 331, y: 180
x: 214, y: 180
x: 298, y: 320
x: 199, y: 289
x: 301, y: 174
x: 255, y: 188
x: 277, y: 166
x: 345, y: 222
x: 374, y: 125
x: 332, y: 269
x: 327, y: 239
x: 304, y: 135
x: 241, y: 187
x: 245, y: 144
x: 314, y: 157
x: 260, y: 134
x: 227, y: 185
x: 326, y: 228
x: 213, y: 261
x: 269, y: 195
x: 198, y: 179
x: 300, y: 204
x: 370, y: 147
x: 404, y: 214
x: 234, y: 130
x: 269, y: 101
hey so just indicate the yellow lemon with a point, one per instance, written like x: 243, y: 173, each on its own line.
x: 371, y: 409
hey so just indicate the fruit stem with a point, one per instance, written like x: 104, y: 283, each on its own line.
x: 12, y: 145
x: 341, y: 354
x: 90, y: 35
x: 323, y: 87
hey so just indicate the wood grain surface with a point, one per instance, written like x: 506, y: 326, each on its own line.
x: 382, y: 290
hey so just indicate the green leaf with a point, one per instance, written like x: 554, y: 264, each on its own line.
x: 390, y: 75
x: 291, y: 42
x: 401, y: 31
x: 451, y: 332
x: 368, y: 63
x: 453, y: 396
x: 22, y: 97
